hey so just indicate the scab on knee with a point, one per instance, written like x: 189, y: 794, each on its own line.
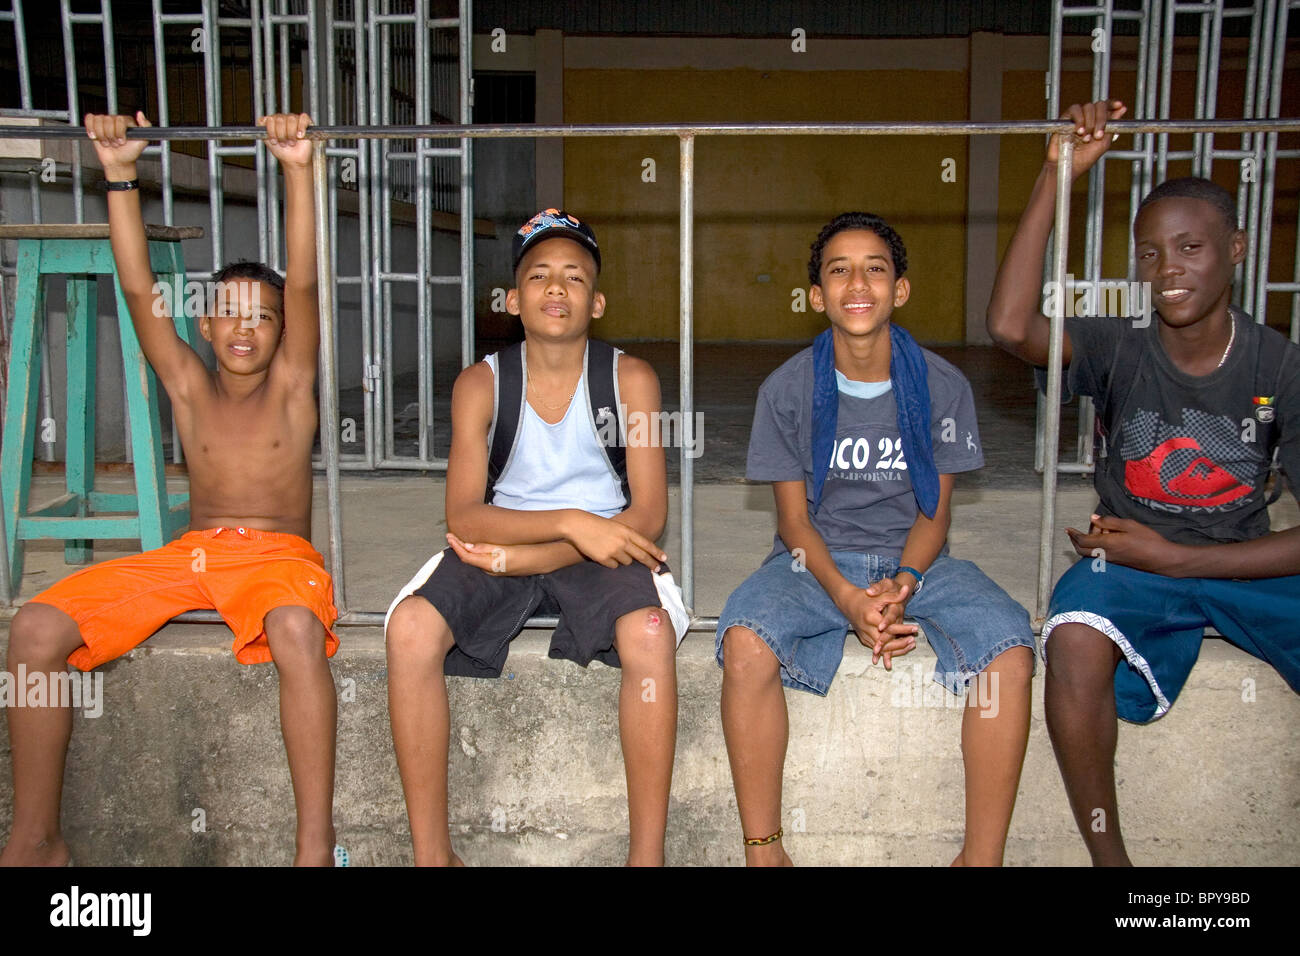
x: 645, y: 635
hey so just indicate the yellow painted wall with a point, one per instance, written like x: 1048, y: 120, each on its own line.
x: 760, y: 201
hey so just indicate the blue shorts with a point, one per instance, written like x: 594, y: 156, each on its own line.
x: 1159, y: 622
x: 967, y: 619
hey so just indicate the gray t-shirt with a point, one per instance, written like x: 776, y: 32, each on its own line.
x: 867, y: 502
x: 1188, y: 455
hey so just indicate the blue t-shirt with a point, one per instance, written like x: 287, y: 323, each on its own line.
x: 867, y: 502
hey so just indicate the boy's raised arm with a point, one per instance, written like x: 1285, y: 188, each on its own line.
x: 174, y: 362
x: 1014, y: 319
x: 298, y: 355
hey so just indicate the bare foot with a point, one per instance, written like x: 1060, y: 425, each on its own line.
x: 314, y: 857
x: 771, y: 855
x: 960, y: 860
x: 315, y: 849
x: 45, y: 853
x: 450, y: 859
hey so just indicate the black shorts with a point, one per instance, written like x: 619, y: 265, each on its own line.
x: 486, y: 611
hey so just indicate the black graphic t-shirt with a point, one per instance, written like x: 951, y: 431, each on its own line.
x: 1188, y: 455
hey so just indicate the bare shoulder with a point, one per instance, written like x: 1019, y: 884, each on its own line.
x: 473, y: 391
x: 474, y: 380
x: 637, y: 377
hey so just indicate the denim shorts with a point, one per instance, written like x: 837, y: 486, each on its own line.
x: 1159, y: 622
x: 967, y: 619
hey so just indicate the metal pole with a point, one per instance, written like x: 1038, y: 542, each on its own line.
x: 70, y: 76
x: 1268, y: 172
x: 686, y: 362
x: 1052, y: 425
x: 1248, y: 192
x: 212, y: 89
x: 1166, y: 61
x: 531, y: 131
x: 329, y: 397
x: 423, y: 240
x: 465, y: 39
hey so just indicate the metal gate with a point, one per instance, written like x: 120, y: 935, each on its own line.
x: 345, y: 62
x: 1256, y: 153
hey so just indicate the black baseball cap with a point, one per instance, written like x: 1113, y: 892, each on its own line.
x: 554, y: 224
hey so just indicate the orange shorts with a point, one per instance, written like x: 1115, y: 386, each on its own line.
x: 242, y: 573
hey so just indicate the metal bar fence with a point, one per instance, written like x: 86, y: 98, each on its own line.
x: 1153, y: 99
x: 687, y: 133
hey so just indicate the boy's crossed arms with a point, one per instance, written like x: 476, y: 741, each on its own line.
x: 536, y: 542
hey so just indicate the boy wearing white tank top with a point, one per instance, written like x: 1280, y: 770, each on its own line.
x: 543, y: 517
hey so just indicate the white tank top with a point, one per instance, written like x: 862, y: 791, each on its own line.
x: 558, y: 466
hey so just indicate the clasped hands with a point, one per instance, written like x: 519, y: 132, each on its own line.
x: 876, y: 614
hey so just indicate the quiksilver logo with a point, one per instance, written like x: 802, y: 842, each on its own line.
x: 76, y: 908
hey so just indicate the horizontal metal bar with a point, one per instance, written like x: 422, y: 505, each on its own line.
x: 1071, y: 468
x: 431, y: 151
x: 524, y: 131
x: 416, y: 277
x: 1100, y: 12
x: 376, y: 619
x: 35, y: 114
x: 359, y: 462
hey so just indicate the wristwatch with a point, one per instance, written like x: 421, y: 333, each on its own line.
x: 920, y: 578
x: 121, y: 185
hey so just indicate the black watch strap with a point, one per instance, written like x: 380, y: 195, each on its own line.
x: 121, y: 185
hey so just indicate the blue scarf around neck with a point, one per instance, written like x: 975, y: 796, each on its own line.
x: 909, y: 379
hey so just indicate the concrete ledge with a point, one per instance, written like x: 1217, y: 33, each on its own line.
x: 873, y: 775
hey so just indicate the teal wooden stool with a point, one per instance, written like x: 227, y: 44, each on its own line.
x: 82, y: 252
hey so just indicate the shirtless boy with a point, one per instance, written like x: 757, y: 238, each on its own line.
x: 247, y: 429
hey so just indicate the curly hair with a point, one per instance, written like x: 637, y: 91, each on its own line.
x: 857, y: 220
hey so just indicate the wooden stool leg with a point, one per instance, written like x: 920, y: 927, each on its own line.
x: 169, y: 266
x: 80, y: 444
x: 20, y: 404
x: 146, y: 435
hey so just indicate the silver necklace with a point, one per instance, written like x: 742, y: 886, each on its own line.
x: 1231, y: 336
